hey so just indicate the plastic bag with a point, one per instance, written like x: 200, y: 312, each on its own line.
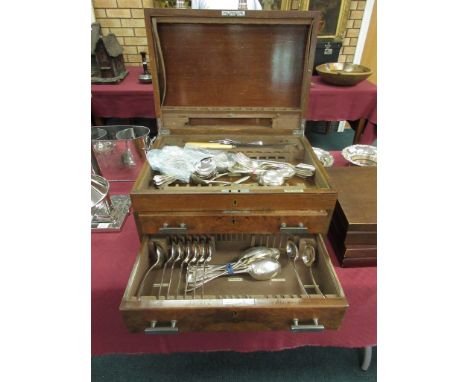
x: 180, y: 162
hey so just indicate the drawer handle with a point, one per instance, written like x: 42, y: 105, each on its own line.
x: 293, y: 230
x: 316, y: 327
x: 153, y: 329
x: 181, y: 229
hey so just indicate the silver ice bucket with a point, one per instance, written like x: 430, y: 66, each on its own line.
x: 120, y: 150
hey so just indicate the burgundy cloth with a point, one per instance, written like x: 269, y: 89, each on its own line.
x: 342, y: 103
x: 369, y: 135
x: 127, y: 99
x: 130, y: 99
x: 113, y: 255
x: 345, y: 103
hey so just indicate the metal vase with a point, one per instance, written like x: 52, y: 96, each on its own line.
x: 120, y: 152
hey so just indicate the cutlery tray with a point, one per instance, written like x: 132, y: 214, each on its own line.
x: 299, y: 202
x: 253, y: 305
x: 296, y: 151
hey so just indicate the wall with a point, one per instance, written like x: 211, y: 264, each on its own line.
x: 353, y: 26
x: 369, y: 55
x: 125, y: 19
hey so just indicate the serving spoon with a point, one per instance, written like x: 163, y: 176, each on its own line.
x: 308, y: 257
x: 293, y: 253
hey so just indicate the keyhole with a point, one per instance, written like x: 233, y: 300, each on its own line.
x: 233, y: 221
x: 234, y: 203
x: 234, y: 314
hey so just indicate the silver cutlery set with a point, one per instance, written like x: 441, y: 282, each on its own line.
x: 266, y: 172
x: 194, y: 255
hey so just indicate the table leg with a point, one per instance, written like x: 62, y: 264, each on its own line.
x: 359, y: 130
x: 367, y: 358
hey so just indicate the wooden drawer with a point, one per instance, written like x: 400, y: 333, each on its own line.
x: 234, y: 303
x: 233, y: 222
x: 296, y: 194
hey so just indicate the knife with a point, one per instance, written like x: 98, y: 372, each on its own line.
x: 225, y: 144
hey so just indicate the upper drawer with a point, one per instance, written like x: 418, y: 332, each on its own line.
x: 296, y: 194
x: 158, y: 300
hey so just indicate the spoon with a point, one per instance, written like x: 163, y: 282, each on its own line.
x: 210, y: 250
x: 157, y: 257
x: 163, y: 180
x: 180, y: 254
x: 260, y: 253
x: 293, y: 254
x: 249, y: 256
x: 260, y: 270
x: 271, y: 178
x: 173, y: 256
x: 194, y: 251
x: 308, y: 257
x: 188, y: 254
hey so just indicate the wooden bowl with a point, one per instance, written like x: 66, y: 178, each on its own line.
x: 337, y: 73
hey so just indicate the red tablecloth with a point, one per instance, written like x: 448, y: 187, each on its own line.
x: 342, y: 103
x: 127, y: 99
x: 345, y: 103
x: 130, y: 99
x: 113, y: 255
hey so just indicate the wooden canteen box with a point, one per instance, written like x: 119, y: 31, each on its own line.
x: 242, y: 75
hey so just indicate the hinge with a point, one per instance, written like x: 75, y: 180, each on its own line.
x: 161, y: 130
x: 300, y: 132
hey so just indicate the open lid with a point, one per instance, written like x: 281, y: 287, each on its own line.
x: 231, y: 71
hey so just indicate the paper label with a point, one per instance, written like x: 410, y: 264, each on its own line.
x: 233, y: 13
x: 238, y: 301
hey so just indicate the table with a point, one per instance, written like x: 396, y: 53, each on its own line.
x: 127, y: 99
x: 130, y: 99
x: 345, y: 103
x: 113, y: 255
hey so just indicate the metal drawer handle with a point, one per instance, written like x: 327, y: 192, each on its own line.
x: 175, y: 230
x: 293, y: 230
x: 162, y: 329
x: 316, y: 327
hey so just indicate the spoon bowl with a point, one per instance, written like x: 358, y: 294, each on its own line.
x: 264, y: 269
x: 308, y: 255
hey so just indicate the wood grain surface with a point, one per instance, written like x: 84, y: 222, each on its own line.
x: 357, y: 196
x: 353, y: 228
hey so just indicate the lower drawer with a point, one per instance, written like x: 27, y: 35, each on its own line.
x: 233, y: 222
x: 158, y: 299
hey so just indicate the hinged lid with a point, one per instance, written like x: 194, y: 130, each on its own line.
x: 242, y: 72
